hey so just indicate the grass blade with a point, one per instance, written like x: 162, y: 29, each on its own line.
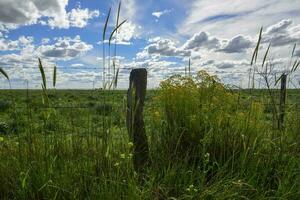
x: 103, y: 38
x: 118, y: 15
x: 4, y: 73
x: 293, y: 50
x: 117, y: 24
x: 255, y: 53
x: 296, y: 66
x: 278, y: 80
x: 189, y: 67
x: 54, y: 76
x: 112, y: 33
x: 265, y: 56
x: 42, y: 73
x: 116, y: 78
x: 106, y: 24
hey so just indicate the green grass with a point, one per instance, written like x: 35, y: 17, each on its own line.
x: 206, y: 142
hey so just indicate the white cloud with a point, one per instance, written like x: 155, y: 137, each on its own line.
x: 65, y: 48
x: 157, y: 69
x: 77, y: 65
x: 201, y: 40
x: 158, y: 14
x: 14, y: 13
x: 279, y: 27
x: 165, y: 47
x: 8, y: 45
x: 129, y: 9
x: 153, y: 39
x: 237, y: 44
x: 76, y: 18
x: 45, y: 40
x: 282, y: 33
x: 26, y: 40
x: 126, y: 33
x: 12, y: 45
x: 233, y: 17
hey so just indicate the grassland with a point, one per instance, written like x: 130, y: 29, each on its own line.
x: 206, y: 142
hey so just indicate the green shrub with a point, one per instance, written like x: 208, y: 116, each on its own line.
x: 204, y: 118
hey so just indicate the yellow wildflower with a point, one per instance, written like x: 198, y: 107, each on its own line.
x: 123, y: 155
x: 130, y: 144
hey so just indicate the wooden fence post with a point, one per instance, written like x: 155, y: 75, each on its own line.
x: 134, y: 120
x: 282, y: 102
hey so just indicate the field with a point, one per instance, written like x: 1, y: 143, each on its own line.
x: 205, y: 142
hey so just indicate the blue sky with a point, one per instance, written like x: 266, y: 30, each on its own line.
x: 160, y: 35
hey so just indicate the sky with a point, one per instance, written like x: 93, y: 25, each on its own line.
x: 218, y: 36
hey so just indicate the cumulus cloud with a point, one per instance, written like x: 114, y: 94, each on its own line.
x: 14, y: 13
x: 26, y: 40
x: 65, y: 48
x: 22, y: 65
x: 75, y: 18
x: 278, y: 34
x: 282, y: 33
x: 12, y: 45
x: 157, y: 70
x: 237, y: 44
x: 201, y: 40
x: 126, y: 33
x: 166, y: 47
x: 194, y: 46
x: 8, y: 45
x: 279, y: 27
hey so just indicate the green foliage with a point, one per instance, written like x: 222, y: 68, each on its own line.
x: 103, y: 109
x: 4, y: 105
x: 201, y: 113
x: 206, y: 142
x: 3, y: 127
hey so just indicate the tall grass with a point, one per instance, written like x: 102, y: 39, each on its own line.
x: 203, y: 145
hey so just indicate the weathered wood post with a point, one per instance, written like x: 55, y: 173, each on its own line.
x: 134, y: 121
x: 282, y: 102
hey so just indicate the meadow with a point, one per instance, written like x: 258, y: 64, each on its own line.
x: 216, y: 144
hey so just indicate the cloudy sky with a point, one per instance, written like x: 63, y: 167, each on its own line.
x: 216, y: 35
